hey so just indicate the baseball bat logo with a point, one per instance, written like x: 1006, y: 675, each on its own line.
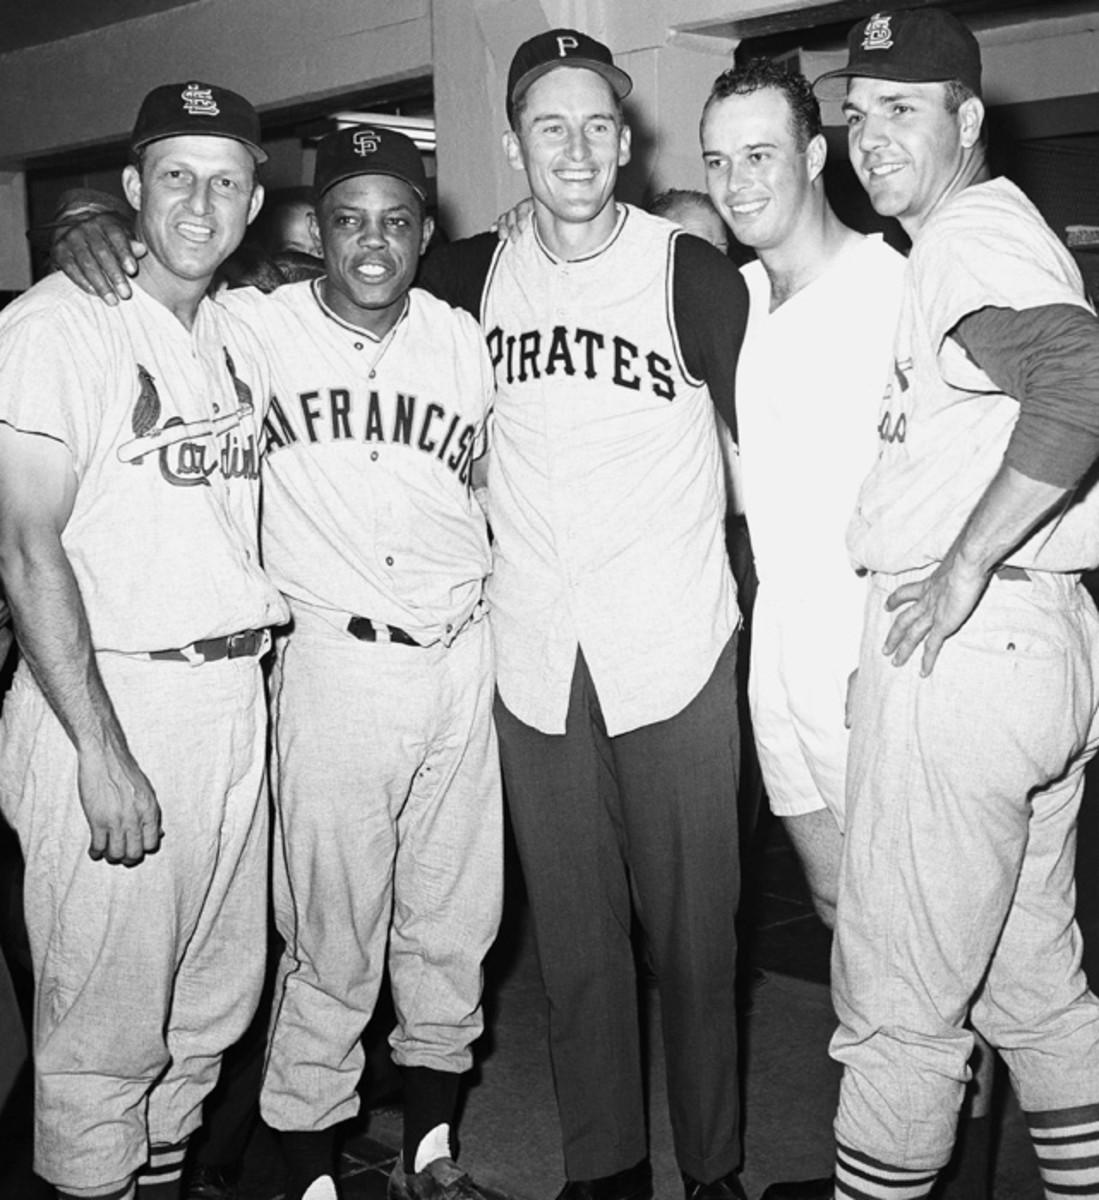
x: 565, y: 43
x: 365, y: 142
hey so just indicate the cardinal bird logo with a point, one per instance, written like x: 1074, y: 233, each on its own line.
x: 189, y: 452
x: 147, y: 408
x: 244, y: 392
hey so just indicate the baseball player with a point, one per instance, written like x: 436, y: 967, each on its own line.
x: 614, y: 335
x: 802, y: 416
x: 386, y: 767
x: 129, y: 483
x: 975, y: 705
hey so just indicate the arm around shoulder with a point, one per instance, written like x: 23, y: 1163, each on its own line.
x: 710, y: 302
x: 94, y: 244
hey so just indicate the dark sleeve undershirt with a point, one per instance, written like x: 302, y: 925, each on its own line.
x: 710, y: 310
x: 457, y: 271
x: 1048, y: 360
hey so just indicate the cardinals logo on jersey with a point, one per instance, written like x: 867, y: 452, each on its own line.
x: 147, y: 408
x: 189, y: 452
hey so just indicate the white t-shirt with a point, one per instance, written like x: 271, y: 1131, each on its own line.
x: 809, y: 386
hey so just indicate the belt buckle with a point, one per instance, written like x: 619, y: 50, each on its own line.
x: 244, y: 644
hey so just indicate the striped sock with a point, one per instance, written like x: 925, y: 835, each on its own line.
x: 1066, y: 1141
x: 160, y: 1178
x: 860, y: 1177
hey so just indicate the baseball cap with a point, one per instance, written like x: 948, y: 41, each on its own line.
x: 562, y: 48
x: 919, y: 45
x: 187, y: 109
x: 368, y: 150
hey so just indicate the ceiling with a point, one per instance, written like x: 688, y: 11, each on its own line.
x: 31, y: 22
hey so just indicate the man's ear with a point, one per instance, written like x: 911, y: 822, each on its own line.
x: 256, y: 202
x: 971, y: 115
x: 131, y: 186
x: 624, y: 139
x: 513, y: 151
x: 425, y: 237
x: 816, y: 155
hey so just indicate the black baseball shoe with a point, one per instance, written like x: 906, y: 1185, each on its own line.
x: 210, y: 1183
x: 442, y: 1179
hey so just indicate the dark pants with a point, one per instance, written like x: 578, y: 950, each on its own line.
x: 649, y: 815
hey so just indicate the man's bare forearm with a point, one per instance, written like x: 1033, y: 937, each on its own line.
x: 934, y: 608
x: 1012, y: 506
x: 119, y: 803
x: 51, y: 627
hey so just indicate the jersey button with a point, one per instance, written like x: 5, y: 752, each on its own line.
x: 358, y: 345
x: 389, y: 560
x: 373, y: 456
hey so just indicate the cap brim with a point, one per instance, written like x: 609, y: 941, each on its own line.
x: 258, y: 153
x: 329, y: 184
x: 621, y: 83
x: 835, y: 82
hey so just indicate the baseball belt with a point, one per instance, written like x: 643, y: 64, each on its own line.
x: 367, y: 630
x: 246, y: 644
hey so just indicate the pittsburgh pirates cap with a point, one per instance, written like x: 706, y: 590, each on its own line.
x: 562, y: 48
x: 368, y: 150
x: 188, y: 109
x: 920, y: 45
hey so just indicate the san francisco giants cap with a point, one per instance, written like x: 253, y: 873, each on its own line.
x: 918, y: 45
x: 187, y: 109
x: 562, y: 48
x: 368, y: 150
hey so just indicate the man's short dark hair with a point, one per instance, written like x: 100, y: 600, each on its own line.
x: 757, y: 74
x: 675, y: 200
x: 955, y: 94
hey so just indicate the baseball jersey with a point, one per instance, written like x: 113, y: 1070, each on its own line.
x: 606, y: 487
x: 163, y: 426
x: 943, y: 426
x: 367, y: 503
x: 809, y: 385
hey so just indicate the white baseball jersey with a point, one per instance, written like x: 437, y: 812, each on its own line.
x: 944, y: 426
x: 367, y: 504
x: 606, y: 487
x: 163, y: 425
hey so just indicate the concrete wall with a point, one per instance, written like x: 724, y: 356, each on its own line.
x: 83, y: 91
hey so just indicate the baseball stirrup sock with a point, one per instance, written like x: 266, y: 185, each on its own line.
x: 860, y: 1177
x: 1066, y: 1141
x: 310, y: 1155
x: 430, y: 1097
x: 159, y: 1178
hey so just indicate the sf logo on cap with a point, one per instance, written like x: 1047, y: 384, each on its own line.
x: 565, y: 44
x: 365, y: 142
x: 199, y: 101
x: 878, y: 35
